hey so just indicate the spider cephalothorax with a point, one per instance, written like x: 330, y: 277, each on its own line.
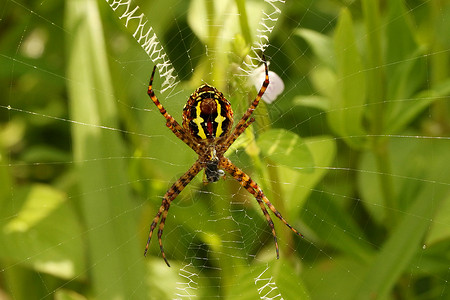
x: 207, y: 123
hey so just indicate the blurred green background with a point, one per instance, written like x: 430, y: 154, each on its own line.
x: 354, y: 153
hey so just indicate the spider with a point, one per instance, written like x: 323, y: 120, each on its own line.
x: 207, y: 124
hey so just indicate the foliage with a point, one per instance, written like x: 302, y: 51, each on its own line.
x: 354, y: 153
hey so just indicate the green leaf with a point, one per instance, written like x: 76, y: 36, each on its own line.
x: 43, y: 219
x: 326, y: 218
x: 409, y: 159
x: 318, y: 102
x: 346, y: 109
x: 41, y: 201
x: 406, y: 111
x: 407, y: 76
x: 399, y: 33
x: 440, y: 230
x: 5, y: 178
x: 333, y: 278
x: 286, y: 148
x: 63, y: 294
x: 324, y: 81
x: 323, y: 149
x: 321, y: 45
x: 406, y: 66
x: 403, y: 244
x: 435, y: 258
x: 375, y: 66
x: 421, y: 178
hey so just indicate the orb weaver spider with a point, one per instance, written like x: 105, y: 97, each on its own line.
x: 207, y: 123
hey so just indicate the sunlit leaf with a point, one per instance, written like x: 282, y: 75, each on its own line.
x: 45, y: 225
x: 325, y: 82
x: 322, y: 45
x: 221, y: 14
x: 323, y: 150
x: 285, y: 148
x: 318, y: 102
x: 63, y: 294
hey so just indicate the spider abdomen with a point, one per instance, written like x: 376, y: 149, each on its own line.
x: 207, y: 114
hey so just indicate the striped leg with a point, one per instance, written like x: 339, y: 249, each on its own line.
x: 256, y: 191
x: 170, y: 121
x: 171, y: 194
x: 242, y: 122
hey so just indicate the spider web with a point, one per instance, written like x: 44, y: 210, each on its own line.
x: 81, y: 180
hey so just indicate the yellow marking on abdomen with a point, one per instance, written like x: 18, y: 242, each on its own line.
x: 219, y: 119
x: 198, y: 120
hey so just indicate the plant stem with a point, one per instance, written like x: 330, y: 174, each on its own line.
x: 107, y: 210
x: 376, y: 92
x: 243, y: 21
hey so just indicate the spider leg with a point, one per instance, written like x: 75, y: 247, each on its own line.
x: 170, y: 121
x: 243, y: 121
x: 256, y: 191
x: 170, y: 195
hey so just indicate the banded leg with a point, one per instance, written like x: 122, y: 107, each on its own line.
x: 171, y: 194
x: 254, y: 104
x: 256, y: 191
x: 170, y: 121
